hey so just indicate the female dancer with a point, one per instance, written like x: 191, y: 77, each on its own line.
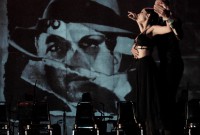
x: 146, y: 87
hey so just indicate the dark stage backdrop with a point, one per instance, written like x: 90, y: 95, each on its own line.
x: 30, y: 72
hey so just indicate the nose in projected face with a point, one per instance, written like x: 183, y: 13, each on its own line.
x: 78, y: 46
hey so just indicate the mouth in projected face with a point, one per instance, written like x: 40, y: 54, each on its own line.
x: 68, y: 81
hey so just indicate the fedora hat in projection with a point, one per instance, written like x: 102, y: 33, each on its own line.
x: 100, y: 15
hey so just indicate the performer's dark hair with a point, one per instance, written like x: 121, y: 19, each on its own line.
x: 153, y: 19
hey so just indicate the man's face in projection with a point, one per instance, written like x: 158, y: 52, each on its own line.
x: 76, y: 60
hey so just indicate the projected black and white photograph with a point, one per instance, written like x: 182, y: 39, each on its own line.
x: 102, y: 67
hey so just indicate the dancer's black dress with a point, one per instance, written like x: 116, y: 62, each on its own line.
x: 146, y: 88
x: 171, y: 69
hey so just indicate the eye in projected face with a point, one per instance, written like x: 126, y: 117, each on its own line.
x: 91, y: 41
x: 57, y: 47
x: 90, y: 44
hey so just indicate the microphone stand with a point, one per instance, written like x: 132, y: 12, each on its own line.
x: 64, y: 122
